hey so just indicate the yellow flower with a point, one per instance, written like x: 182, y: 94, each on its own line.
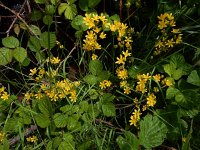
x: 94, y: 57
x: 2, y: 136
x: 38, y: 96
x: 123, y: 83
x: 104, y: 84
x: 27, y: 96
x: 175, y: 31
x: 102, y: 35
x: 127, y: 90
x: 2, y: 89
x: 32, y: 139
x: 96, y: 30
x: 157, y: 77
x: 135, y: 117
x: 54, y: 60
x: 151, y: 100
x: 126, y: 53
x: 120, y: 60
x: 33, y: 71
x: 5, y: 96
x: 122, y: 73
x: 170, y: 43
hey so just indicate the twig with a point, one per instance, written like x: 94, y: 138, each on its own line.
x: 19, y: 17
x: 27, y: 133
x: 108, y: 123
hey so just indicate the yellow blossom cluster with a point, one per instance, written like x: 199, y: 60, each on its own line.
x: 32, y: 139
x: 2, y: 136
x: 3, y: 94
x: 170, y: 35
x: 59, y: 44
x: 50, y: 85
x: 143, y: 81
x: 104, y: 84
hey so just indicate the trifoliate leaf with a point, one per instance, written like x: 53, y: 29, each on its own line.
x: 152, y: 132
x: 20, y: 54
x: 62, y: 7
x: 10, y: 42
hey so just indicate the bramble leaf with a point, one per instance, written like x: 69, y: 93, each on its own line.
x: 5, y: 56
x: 194, y: 78
x: 20, y: 54
x: 10, y: 42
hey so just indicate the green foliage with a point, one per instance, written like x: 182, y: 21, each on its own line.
x: 152, y: 132
x: 69, y: 9
x: 5, y: 56
x: 10, y: 42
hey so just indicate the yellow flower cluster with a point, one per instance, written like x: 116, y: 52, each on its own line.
x: 32, y: 139
x: 150, y: 98
x: 170, y: 35
x: 2, y: 136
x: 59, y: 44
x: 3, y: 94
x: 50, y: 85
x: 104, y: 84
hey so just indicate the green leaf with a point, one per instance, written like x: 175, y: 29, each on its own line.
x: 71, y: 123
x: 83, y: 4
x: 90, y: 79
x: 70, y: 11
x: 171, y: 92
x: 109, y: 110
x: 49, y: 145
x: 186, y: 144
x: 60, y: 120
x: 36, y: 15
x: 83, y: 106
x: 56, y: 142
x: 169, y: 69
x: 95, y: 67
x: 5, y: 56
x: 12, y: 125
x: 66, y: 146
x: 152, y: 132
x: 103, y: 75
x: 177, y: 74
x: 62, y: 7
x: 107, y: 97
x: 48, y: 40
x: 77, y: 22
x: 133, y: 71
x: 93, y: 3
x: 42, y: 120
x: 71, y: 1
x: 45, y: 107
x: 47, y: 19
x: 20, y: 54
x: 50, y: 9
x: 130, y: 142
x: 40, y: 1
x: 10, y: 42
x: 194, y: 78
x: 34, y: 44
x: 177, y: 60
x: 35, y: 30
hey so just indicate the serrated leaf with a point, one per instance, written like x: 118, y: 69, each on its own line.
x: 71, y: 1
x: 169, y: 69
x: 47, y: 19
x: 83, y: 106
x: 194, y: 78
x: 62, y: 7
x: 103, y: 75
x: 42, y: 120
x: 71, y: 123
x: 107, y: 97
x: 95, y: 67
x: 48, y: 40
x: 35, y: 30
x: 34, y: 44
x: 93, y: 3
x: 36, y: 15
x: 45, y: 107
x: 60, y: 120
x: 152, y: 132
x: 50, y: 9
x: 66, y: 146
x: 90, y: 79
x: 70, y: 11
x: 5, y: 56
x: 10, y: 42
x: 20, y: 54
x: 109, y: 110
x: 177, y: 60
x: 130, y: 142
x: 171, y: 92
x: 77, y: 22
x: 177, y: 74
x: 83, y: 4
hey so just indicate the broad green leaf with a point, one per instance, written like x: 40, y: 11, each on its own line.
x: 66, y: 109
x: 180, y: 98
x: 194, y: 78
x: 42, y: 120
x: 171, y: 92
x: 83, y: 106
x: 50, y: 9
x: 34, y: 44
x: 66, y: 146
x: 62, y: 7
x: 60, y: 120
x: 12, y: 125
x: 40, y: 1
x: 177, y: 74
x: 169, y: 69
x: 152, y: 132
x: 93, y: 111
x: 54, y: 2
x: 56, y: 142
x: 35, y: 30
x: 77, y: 22
x: 5, y: 56
x: 20, y: 54
x: 95, y: 67
x: 107, y: 97
x: 49, y: 145
x: 83, y: 4
x: 115, y: 17
x: 45, y: 107
x: 85, y: 146
x: 93, y: 3
x: 47, y: 19
x: 109, y: 110
x: 133, y: 71
x: 71, y: 123
x: 71, y: 1
x: 103, y: 75
x: 10, y: 42
x: 90, y: 79
x: 177, y: 59
x: 130, y: 142
x: 48, y: 40
x: 36, y: 15
x: 70, y: 11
